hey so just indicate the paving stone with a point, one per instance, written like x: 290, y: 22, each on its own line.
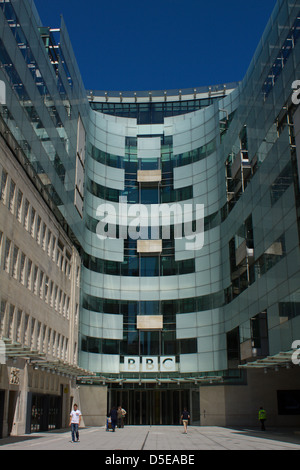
x: 158, y: 438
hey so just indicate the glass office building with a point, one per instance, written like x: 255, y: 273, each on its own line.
x: 184, y: 205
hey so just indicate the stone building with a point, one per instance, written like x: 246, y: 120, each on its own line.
x: 39, y: 302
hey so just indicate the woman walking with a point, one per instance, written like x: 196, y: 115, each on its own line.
x: 185, y: 419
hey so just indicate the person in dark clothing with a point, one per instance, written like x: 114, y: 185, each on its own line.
x: 114, y: 417
x: 185, y: 419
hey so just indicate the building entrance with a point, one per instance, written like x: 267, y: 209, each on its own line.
x: 155, y: 407
x: 45, y: 412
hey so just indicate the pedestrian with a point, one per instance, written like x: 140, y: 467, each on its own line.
x: 123, y: 416
x: 75, y: 421
x: 120, y: 417
x: 114, y: 417
x: 185, y: 419
x: 262, y: 416
x: 121, y: 413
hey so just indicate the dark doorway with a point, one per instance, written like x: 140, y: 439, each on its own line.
x: 11, y: 410
x: 45, y: 412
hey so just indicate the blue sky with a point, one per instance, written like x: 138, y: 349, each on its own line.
x: 160, y: 44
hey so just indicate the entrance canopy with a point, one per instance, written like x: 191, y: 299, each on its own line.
x: 282, y: 359
x: 15, y: 350
x: 154, y: 380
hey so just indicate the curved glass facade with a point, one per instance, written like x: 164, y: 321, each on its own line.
x: 139, y: 284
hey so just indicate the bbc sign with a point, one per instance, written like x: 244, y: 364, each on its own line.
x: 150, y: 364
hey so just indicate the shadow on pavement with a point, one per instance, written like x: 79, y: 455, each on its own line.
x: 30, y: 437
x: 290, y: 435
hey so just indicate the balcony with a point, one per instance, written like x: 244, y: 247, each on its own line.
x: 149, y: 246
x: 149, y: 322
x: 149, y: 176
x: 241, y: 163
x: 243, y: 252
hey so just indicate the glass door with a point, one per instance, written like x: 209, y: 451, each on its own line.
x: 155, y: 407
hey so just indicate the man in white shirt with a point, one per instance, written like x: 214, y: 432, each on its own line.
x: 75, y: 420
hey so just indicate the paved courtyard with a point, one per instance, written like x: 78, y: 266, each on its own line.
x: 158, y: 438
